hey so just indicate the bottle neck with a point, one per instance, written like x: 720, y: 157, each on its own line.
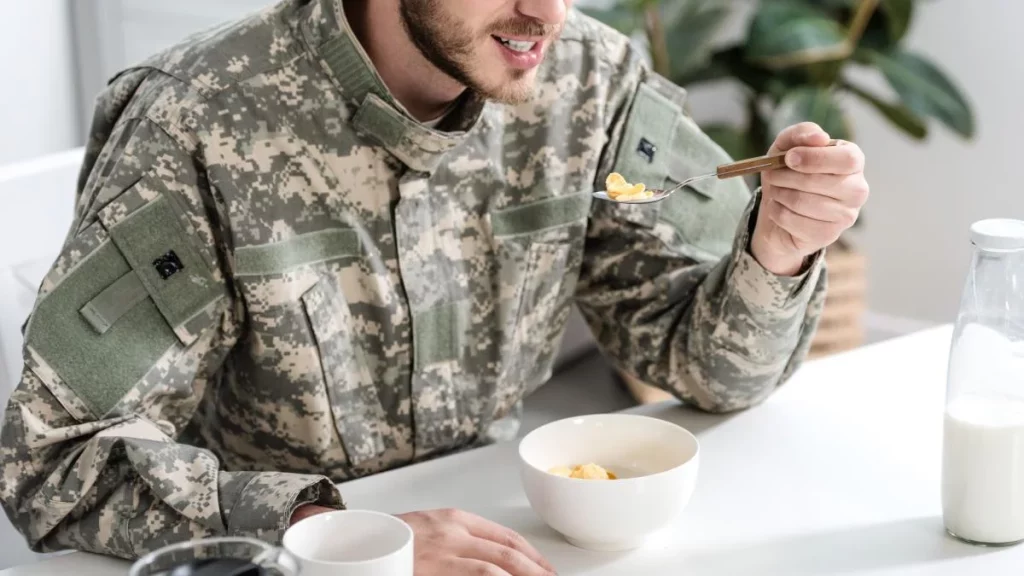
x: 995, y: 286
x: 997, y: 265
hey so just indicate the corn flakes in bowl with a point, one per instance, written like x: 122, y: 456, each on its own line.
x: 649, y: 467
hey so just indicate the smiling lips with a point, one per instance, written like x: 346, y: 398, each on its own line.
x: 517, y: 45
x: 520, y: 53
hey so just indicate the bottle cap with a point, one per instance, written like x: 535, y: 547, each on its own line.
x: 998, y: 234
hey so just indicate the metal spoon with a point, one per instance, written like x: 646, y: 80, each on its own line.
x: 741, y: 168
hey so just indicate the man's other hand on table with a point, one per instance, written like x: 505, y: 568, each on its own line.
x: 451, y: 541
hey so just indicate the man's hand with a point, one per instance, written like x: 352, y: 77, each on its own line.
x: 806, y: 206
x: 307, y: 510
x: 456, y: 542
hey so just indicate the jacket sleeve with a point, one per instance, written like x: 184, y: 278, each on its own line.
x: 670, y: 290
x: 130, y: 329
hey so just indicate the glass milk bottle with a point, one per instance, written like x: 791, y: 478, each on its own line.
x: 983, y: 433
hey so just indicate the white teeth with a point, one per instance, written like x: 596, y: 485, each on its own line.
x: 517, y: 45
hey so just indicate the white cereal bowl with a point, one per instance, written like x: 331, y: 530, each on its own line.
x: 655, y: 462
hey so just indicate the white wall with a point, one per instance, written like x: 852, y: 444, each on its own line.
x: 38, y: 111
x: 925, y: 197
x: 926, y: 194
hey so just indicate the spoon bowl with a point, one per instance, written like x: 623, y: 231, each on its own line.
x: 657, y: 196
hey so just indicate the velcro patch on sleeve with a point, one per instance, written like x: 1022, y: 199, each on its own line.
x: 154, y: 242
x: 99, y: 367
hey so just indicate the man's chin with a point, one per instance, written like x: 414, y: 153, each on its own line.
x: 517, y: 89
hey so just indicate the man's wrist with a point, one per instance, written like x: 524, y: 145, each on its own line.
x: 776, y: 262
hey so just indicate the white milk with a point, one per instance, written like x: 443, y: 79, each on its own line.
x: 983, y: 469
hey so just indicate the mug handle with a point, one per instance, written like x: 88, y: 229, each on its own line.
x: 279, y: 559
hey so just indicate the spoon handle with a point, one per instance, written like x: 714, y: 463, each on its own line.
x: 752, y: 166
x: 755, y: 165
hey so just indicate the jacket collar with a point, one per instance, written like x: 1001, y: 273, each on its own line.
x: 378, y: 114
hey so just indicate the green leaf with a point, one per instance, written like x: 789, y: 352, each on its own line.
x: 898, y: 16
x: 710, y: 72
x: 784, y: 32
x: 758, y: 79
x: 925, y: 89
x: 834, y: 4
x: 689, y: 36
x: 898, y: 114
x: 734, y: 141
x: 888, y: 25
x: 619, y: 17
x: 810, y: 104
x: 672, y: 11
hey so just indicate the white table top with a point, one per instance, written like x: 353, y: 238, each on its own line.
x: 837, y: 473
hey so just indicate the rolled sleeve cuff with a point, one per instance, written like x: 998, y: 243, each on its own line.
x: 264, y: 508
x: 763, y: 290
x: 766, y: 291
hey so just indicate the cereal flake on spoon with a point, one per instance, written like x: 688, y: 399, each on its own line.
x: 620, y: 190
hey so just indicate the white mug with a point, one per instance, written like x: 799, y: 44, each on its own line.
x: 351, y: 543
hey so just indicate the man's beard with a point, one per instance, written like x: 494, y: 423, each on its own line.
x: 448, y: 44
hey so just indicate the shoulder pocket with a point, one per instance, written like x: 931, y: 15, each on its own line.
x: 164, y: 257
x: 661, y: 146
x: 644, y: 152
x: 704, y: 215
x: 142, y: 291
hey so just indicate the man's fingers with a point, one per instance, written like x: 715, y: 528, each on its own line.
x: 803, y: 134
x: 843, y: 160
x: 850, y: 189
x: 808, y: 230
x: 474, y: 567
x: 508, y: 559
x: 483, y: 528
x: 825, y: 184
x: 815, y: 206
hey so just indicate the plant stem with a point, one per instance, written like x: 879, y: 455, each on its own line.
x: 859, y: 24
x: 656, y: 38
x: 757, y: 131
x: 831, y: 54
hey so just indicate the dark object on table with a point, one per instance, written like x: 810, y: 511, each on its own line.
x: 218, y: 567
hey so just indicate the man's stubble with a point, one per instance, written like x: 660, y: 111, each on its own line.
x: 448, y: 44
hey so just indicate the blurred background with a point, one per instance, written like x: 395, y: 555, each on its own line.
x: 928, y: 88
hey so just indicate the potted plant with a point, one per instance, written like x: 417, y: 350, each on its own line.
x: 793, y: 64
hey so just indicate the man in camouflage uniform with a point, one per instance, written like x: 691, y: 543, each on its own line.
x: 296, y: 261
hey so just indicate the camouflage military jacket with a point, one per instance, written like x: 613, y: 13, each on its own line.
x: 277, y: 280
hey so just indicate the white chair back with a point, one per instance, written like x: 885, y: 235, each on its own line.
x: 36, y: 209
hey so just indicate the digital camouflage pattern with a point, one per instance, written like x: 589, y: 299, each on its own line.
x: 276, y: 280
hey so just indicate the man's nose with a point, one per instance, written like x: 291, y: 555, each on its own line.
x: 546, y: 11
